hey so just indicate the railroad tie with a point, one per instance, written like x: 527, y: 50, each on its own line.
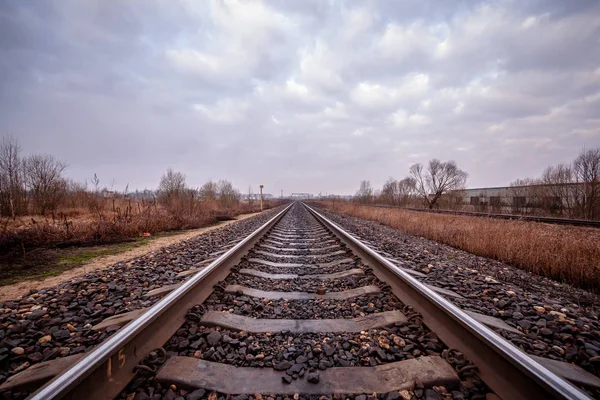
x: 304, y: 232
x: 192, y: 373
x: 335, y: 275
x: 317, y: 249
x: 307, y: 244
x: 255, y: 325
x: 310, y: 256
x: 291, y: 265
x: 299, y: 238
x: 343, y: 295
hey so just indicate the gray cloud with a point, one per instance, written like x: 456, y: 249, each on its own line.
x: 300, y: 96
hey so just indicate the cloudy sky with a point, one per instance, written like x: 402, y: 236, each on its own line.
x: 300, y: 95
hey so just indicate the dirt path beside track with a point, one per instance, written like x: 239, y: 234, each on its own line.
x: 18, y: 289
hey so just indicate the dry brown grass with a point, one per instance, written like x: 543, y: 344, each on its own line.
x: 113, y: 222
x: 567, y: 254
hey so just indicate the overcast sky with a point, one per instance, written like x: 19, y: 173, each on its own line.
x: 300, y: 95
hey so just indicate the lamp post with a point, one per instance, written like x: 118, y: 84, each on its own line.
x: 261, y: 197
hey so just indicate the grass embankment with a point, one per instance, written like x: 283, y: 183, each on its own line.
x: 567, y: 254
x: 34, y: 247
x: 45, y: 263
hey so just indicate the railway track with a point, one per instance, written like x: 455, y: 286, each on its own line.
x: 300, y: 307
x: 531, y: 218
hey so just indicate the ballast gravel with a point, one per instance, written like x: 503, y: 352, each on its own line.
x: 559, y: 321
x: 303, y: 355
x: 55, y: 322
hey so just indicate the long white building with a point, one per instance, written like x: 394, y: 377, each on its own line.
x: 517, y: 199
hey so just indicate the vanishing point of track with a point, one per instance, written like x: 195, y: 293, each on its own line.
x: 317, y: 280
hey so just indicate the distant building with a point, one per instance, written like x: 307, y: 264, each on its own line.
x: 554, y: 199
x: 141, y: 194
x: 108, y: 194
x: 256, y: 196
x: 301, y: 196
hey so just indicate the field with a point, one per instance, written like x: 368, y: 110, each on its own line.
x: 564, y: 253
x: 33, y: 247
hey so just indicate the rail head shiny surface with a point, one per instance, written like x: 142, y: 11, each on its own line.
x: 59, y: 386
x: 559, y: 387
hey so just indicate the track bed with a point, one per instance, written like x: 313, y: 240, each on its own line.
x: 300, y: 309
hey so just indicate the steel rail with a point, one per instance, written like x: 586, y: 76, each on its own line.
x: 531, y: 218
x: 508, y: 371
x: 108, y: 369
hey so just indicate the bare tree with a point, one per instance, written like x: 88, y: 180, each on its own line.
x: 173, y: 194
x: 250, y: 197
x: 389, y: 192
x: 172, y: 186
x: 95, y: 203
x: 521, y: 194
x: 364, y: 194
x: 454, y: 200
x: 406, y: 189
x: 77, y: 193
x: 96, y: 183
x: 209, y: 191
x: 586, y: 169
x: 44, y: 181
x: 228, y: 195
x: 397, y: 193
x: 558, y: 189
x: 12, y: 193
x: 439, y: 178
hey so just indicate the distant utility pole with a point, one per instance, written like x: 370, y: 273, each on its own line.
x: 261, y: 198
x: 282, y: 193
